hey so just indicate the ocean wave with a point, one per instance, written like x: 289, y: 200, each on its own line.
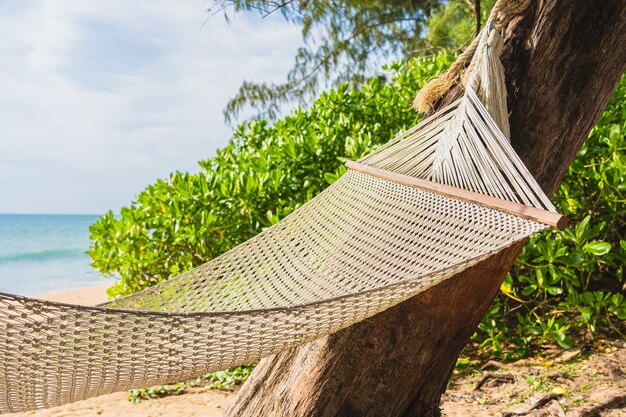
x: 43, y: 255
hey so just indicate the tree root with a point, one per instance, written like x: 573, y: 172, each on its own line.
x: 494, y: 365
x: 542, y: 402
x: 613, y: 403
x: 559, y: 375
x: 504, y: 378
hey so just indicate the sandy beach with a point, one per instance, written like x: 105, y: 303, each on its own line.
x: 84, y: 296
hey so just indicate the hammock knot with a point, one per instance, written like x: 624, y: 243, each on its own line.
x: 496, y: 41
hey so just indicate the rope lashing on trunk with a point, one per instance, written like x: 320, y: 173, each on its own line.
x: 502, y: 12
x: 441, y: 197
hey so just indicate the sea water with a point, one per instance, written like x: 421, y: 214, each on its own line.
x: 41, y: 254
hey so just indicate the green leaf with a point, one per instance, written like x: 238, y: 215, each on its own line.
x: 566, y: 342
x: 573, y: 259
x: 330, y: 177
x: 555, y: 290
x: 586, y: 314
x: 597, y: 248
x: 581, y: 229
x: 462, y: 363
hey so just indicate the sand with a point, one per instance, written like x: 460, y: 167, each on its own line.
x: 205, y: 404
x: 84, y: 296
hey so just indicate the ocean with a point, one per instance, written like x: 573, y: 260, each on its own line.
x: 41, y: 254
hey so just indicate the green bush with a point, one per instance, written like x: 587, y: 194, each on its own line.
x: 229, y: 377
x: 562, y: 282
x: 158, y: 391
x: 220, y: 380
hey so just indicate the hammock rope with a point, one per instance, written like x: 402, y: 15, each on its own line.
x: 441, y: 197
x: 501, y: 14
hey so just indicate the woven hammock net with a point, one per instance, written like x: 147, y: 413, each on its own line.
x: 359, y: 247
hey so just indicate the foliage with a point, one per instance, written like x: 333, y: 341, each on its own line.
x: 264, y: 173
x: 217, y: 380
x: 344, y: 42
x: 341, y: 40
x: 229, y: 377
x: 159, y: 391
x: 452, y: 24
x: 563, y: 285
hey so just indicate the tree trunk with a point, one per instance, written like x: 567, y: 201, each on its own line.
x: 563, y: 59
x: 474, y: 6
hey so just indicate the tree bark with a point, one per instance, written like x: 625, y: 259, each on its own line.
x: 563, y: 59
x: 474, y: 6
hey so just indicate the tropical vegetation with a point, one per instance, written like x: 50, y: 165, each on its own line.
x: 562, y: 283
x: 566, y: 287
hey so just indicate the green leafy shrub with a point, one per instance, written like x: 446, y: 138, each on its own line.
x: 452, y: 24
x: 220, y: 380
x: 564, y: 283
x: 228, y: 377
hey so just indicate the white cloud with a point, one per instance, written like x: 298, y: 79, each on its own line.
x: 100, y: 99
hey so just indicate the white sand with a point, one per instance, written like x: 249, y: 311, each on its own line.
x: 84, y: 296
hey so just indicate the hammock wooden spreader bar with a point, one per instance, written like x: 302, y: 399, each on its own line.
x: 440, y: 198
x: 555, y: 220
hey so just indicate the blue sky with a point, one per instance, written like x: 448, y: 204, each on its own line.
x: 99, y: 99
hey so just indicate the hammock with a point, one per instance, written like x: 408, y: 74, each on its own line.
x: 436, y: 200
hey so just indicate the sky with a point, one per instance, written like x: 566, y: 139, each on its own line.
x: 100, y: 99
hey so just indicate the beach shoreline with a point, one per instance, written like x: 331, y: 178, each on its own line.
x: 88, y: 296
